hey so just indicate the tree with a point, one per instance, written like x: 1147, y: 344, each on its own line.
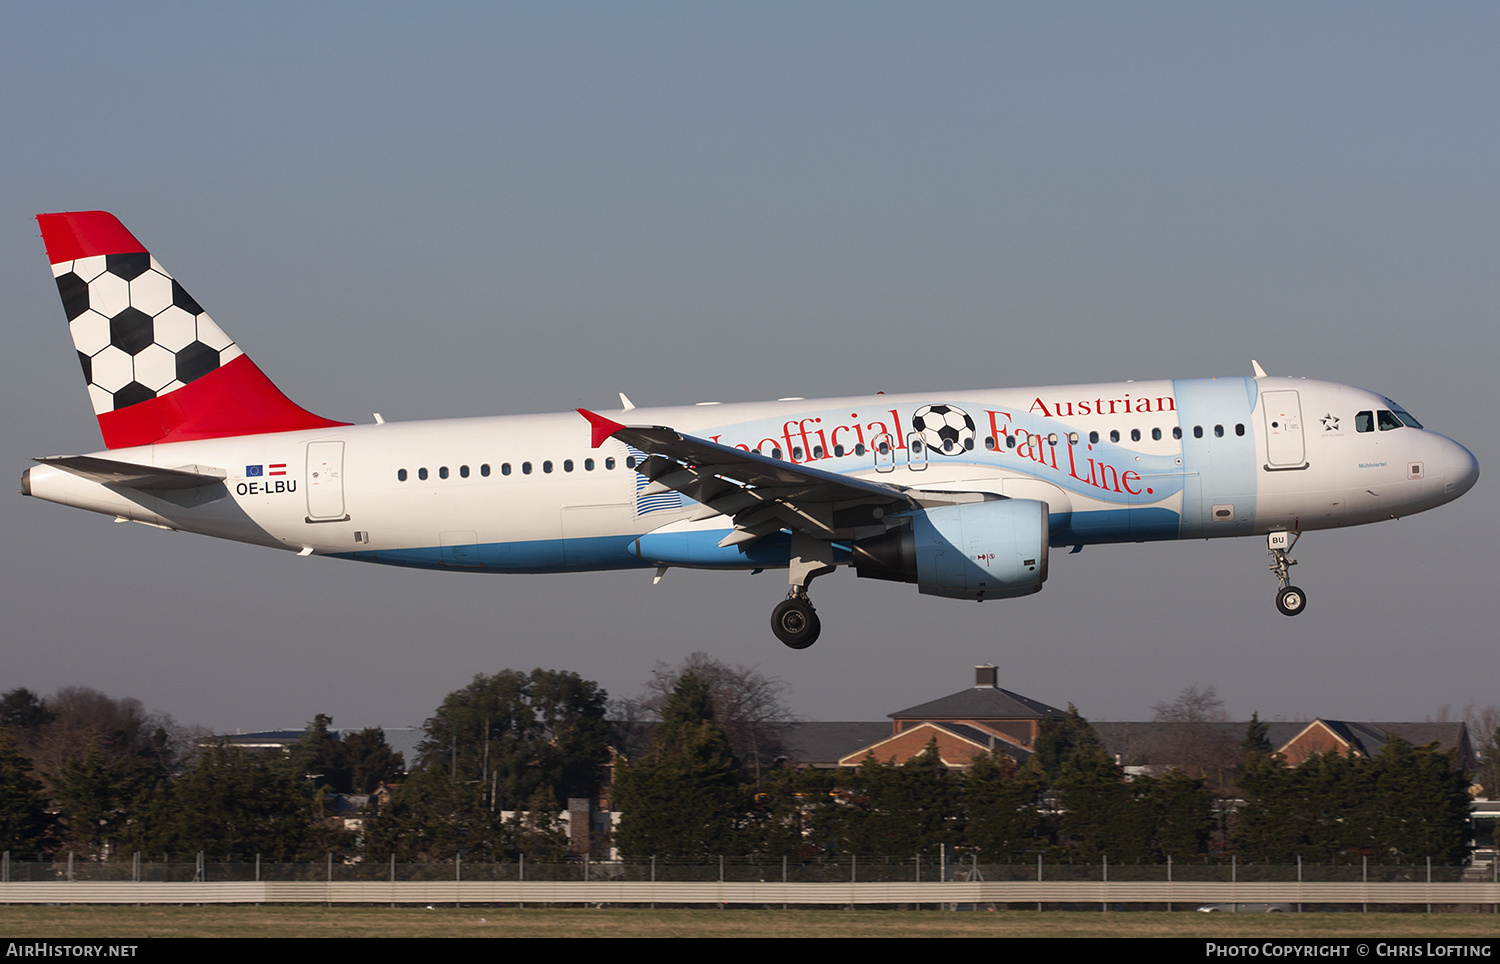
x: 93, y: 796
x: 1059, y: 739
x: 320, y: 757
x: 1198, y: 745
x: 1257, y: 736
x: 24, y: 710
x: 748, y: 705
x: 23, y: 804
x: 514, y: 732
x: 1002, y: 806
x: 432, y: 817
x: 1100, y: 815
x: 230, y: 805
x: 1406, y: 804
x: 1193, y: 705
x: 371, y: 760
x: 686, y: 796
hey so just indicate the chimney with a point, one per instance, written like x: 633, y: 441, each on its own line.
x: 984, y: 676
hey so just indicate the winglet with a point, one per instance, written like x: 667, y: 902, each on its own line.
x: 603, y: 427
x: 1259, y: 372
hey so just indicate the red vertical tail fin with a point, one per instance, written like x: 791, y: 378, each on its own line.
x: 158, y: 368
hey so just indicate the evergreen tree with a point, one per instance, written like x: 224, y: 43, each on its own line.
x: 1100, y: 813
x: 371, y: 760
x: 1002, y: 807
x: 320, y: 756
x: 432, y: 817
x: 687, y: 796
x: 230, y: 806
x: 1257, y: 736
x: 1059, y: 739
x: 23, y: 805
x: 1183, y: 810
x: 93, y: 796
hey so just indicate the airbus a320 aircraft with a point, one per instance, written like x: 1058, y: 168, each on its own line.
x: 960, y: 492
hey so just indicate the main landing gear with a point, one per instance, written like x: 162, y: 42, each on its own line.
x: 1290, y: 600
x: 794, y: 620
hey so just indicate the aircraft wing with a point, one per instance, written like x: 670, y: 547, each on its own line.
x: 132, y: 476
x: 761, y: 494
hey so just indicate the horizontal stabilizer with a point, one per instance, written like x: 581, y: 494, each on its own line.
x: 131, y: 476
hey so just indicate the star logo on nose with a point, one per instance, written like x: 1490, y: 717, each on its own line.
x: 1330, y: 422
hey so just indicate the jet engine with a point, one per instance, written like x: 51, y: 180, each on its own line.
x: 976, y: 550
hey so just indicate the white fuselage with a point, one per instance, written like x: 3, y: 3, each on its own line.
x: 1122, y: 462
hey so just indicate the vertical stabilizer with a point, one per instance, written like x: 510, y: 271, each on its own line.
x: 158, y: 369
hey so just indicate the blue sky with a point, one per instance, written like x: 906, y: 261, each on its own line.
x: 495, y: 208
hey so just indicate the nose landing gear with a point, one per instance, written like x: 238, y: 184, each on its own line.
x: 1290, y: 600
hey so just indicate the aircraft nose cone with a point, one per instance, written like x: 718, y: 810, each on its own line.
x: 1462, y: 470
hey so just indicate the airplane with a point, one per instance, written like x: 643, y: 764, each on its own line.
x: 961, y: 492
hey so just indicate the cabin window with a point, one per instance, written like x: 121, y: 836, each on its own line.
x: 1114, y: 435
x: 1197, y: 431
x: 1156, y: 435
x: 968, y: 445
x: 796, y: 453
x: 463, y: 471
x: 1177, y: 431
x: 1093, y: 437
x: 484, y: 470
x: 400, y: 475
x: 1239, y: 428
x: 525, y: 468
x: 547, y: 466
x: 859, y: 448
x: 1135, y: 435
x: 505, y: 468
x: 1218, y: 431
x: 588, y: 465
x: 1010, y: 441
x: 422, y: 474
x: 630, y: 461
x: 989, y: 442
x: 609, y: 462
x: 567, y: 465
x: 817, y: 451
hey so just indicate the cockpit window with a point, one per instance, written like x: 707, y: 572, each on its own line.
x: 1387, y: 420
x: 1406, y: 418
x: 1364, y: 422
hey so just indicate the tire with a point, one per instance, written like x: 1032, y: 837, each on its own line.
x: 796, y: 623
x: 1291, y: 601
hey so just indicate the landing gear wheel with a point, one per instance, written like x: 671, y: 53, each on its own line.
x: 796, y: 623
x: 1291, y: 601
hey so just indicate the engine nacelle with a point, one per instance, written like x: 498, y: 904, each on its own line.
x: 977, y: 550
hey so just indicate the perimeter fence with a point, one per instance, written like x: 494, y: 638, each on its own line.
x: 200, y: 868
